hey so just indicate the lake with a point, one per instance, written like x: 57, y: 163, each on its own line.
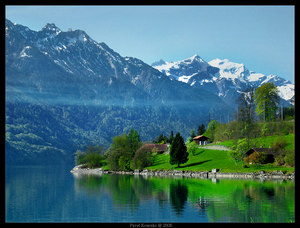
x: 53, y: 194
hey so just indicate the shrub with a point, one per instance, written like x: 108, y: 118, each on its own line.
x: 279, y: 144
x: 279, y: 158
x: 142, y: 158
x: 92, y: 157
x: 192, y: 148
x: 290, y: 158
x: 265, y: 130
x: 79, y: 157
x: 94, y: 160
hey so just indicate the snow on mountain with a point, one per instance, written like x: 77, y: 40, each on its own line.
x: 286, y: 91
x: 60, y: 61
x: 192, y: 70
x: 227, y: 79
x: 230, y: 70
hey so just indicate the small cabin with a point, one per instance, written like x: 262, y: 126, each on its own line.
x: 159, y: 148
x: 268, y: 151
x: 201, y: 140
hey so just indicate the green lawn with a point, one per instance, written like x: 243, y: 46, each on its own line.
x: 266, y: 141
x: 206, y: 160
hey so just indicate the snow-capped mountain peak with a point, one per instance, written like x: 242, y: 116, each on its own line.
x: 182, y: 69
x: 230, y: 70
x: 228, y: 79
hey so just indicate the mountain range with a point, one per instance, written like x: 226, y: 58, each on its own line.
x: 65, y: 91
x: 224, y: 78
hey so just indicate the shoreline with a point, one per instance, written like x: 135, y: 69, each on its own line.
x: 214, y: 174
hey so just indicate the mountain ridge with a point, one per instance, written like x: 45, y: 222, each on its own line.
x: 222, y: 76
x: 65, y: 91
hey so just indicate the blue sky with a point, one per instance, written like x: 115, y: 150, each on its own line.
x: 261, y: 37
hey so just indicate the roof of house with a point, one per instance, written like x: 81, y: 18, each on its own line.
x: 200, y: 137
x: 159, y: 147
x: 265, y: 150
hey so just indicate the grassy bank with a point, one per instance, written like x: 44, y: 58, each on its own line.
x: 206, y: 160
x: 265, y: 141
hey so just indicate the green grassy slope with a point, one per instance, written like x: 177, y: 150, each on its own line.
x: 206, y: 160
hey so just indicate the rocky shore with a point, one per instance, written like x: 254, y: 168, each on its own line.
x: 78, y: 170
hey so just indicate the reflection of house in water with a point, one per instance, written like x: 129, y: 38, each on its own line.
x: 202, y: 205
x: 201, y: 140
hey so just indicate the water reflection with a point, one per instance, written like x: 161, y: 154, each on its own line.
x: 178, y: 196
x: 218, y: 200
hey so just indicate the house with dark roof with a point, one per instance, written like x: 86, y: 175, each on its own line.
x: 201, y: 140
x: 268, y: 151
x: 159, y: 148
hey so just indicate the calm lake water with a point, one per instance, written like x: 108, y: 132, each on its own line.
x: 53, y: 194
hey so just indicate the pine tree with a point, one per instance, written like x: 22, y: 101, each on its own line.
x: 193, y: 135
x: 178, y: 151
x: 201, y: 129
x: 171, y: 138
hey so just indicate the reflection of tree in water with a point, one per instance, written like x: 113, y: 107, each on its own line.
x: 178, y: 196
x: 122, y: 192
x: 142, y: 187
x: 228, y: 200
x: 253, y: 202
x: 92, y: 184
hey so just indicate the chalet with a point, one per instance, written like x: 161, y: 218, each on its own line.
x: 269, y: 152
x: 201, y: 140
x: 159, y: 148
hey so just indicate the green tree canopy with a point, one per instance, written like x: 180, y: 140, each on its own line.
x: 266, y: 100
x: 211, y: 129
x: 119, y: 153
x: 134, y: 141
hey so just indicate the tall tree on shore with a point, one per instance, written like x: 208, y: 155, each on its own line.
x: 134, y: 141
x: 171, y: 138
x: 193, y: 135
x: 266, y: 100
x: 178, y: 151
x: 201, y: 129
x: 246, y: 112
x: 246, y: 106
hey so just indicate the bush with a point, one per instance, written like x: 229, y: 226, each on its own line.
x: 142, y: 158
x: 290, y: 158
x: 92, y: 157
x: 279, y: 144
x: 192, y: 148
x: 211, y: 130
x: 279, y: 158
x: 94, y: 160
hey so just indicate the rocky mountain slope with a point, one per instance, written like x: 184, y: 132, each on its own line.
x: 65, y: 91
